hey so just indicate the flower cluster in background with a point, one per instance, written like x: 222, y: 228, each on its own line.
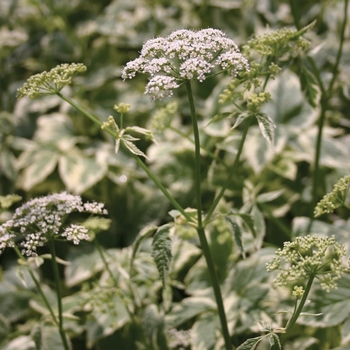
x: 334, y: 199
x: 42, y: 219
x: 48, y: 83
x: 184, y: 55
x: 309, y: 256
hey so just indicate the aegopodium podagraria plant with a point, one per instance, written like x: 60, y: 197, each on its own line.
x: 179, y: 60
x: 39, y: 222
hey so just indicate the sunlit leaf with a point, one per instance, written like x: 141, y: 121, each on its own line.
x: 267, y: 128
x: 44, y: 162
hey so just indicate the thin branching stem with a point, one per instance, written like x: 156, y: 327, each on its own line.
x: 38, y: 286
x: 59, y: 294
x: 200, y: 228
x: 231, y: 172
x: 153, y: 177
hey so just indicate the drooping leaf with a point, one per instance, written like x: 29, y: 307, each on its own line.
x: 161, y: 251
x: 240, y: 118
x: 309, y: 85
x: 132, y: 148
x: 267, y: 128
x: 148, y: 133
x: 249, y: 221
x: 235, y: 231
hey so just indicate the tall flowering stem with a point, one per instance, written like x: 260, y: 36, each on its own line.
x: 59, y: 294
x: 200, y: 228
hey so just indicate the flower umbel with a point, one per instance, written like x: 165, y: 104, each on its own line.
x: 48, y: 83
x: 41, y: 219
x: 184, y: 55
x: 334, y: 199
x: 309, y: 256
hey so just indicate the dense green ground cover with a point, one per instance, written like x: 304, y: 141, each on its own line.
x: 112, y: 293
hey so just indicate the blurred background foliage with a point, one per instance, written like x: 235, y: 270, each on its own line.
x: 46, y: 146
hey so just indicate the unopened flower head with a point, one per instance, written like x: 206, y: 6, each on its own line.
x: 334, y: 199
x: 42, y: 219
x: 185, y: 55
x: 309, y: 256
x: 48, y: 83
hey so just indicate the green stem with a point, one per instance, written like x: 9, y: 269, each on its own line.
x: 200, y: 228
x: 59, y: 294
x: 231, y: 172
x: 297, y: 312
x: 171, y: 199
x: 38, y: 286
x: 325, y: 97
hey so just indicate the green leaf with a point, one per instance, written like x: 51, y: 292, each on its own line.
x: 240, y: 118
x: 267, y: 128
x: 235, y: 231
x: 187, y: 309
x: 161, y: 251
x: 249, y: 221
x: 132, y: 148
x: 143, y: 234
x: 269, y: 196
x: 43, y: 163
x: 309, y: 86
x: 79, y: 172
x: 148, y: 133
x: 275, y: 341
x: 7, y: 201
x: 250, y: 344
x: 84, y: 265
x: 204, y: 331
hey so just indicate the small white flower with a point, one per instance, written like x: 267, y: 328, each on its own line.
x: 41, y: 219
x: 184, y: 55
x: 76, y: 233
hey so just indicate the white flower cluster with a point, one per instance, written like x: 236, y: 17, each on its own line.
x: 320, y: 257
x: 41, y: 219
x: 184, y: 55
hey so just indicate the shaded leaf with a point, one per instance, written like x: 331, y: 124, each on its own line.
x: 148, y: 230
x: 235, y: 231
x: 161, y: 251
x: 250, y: 344
x: 275, y: 341
x: 309, y: 86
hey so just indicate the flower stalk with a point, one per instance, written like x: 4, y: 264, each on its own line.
x: 200, y: 228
